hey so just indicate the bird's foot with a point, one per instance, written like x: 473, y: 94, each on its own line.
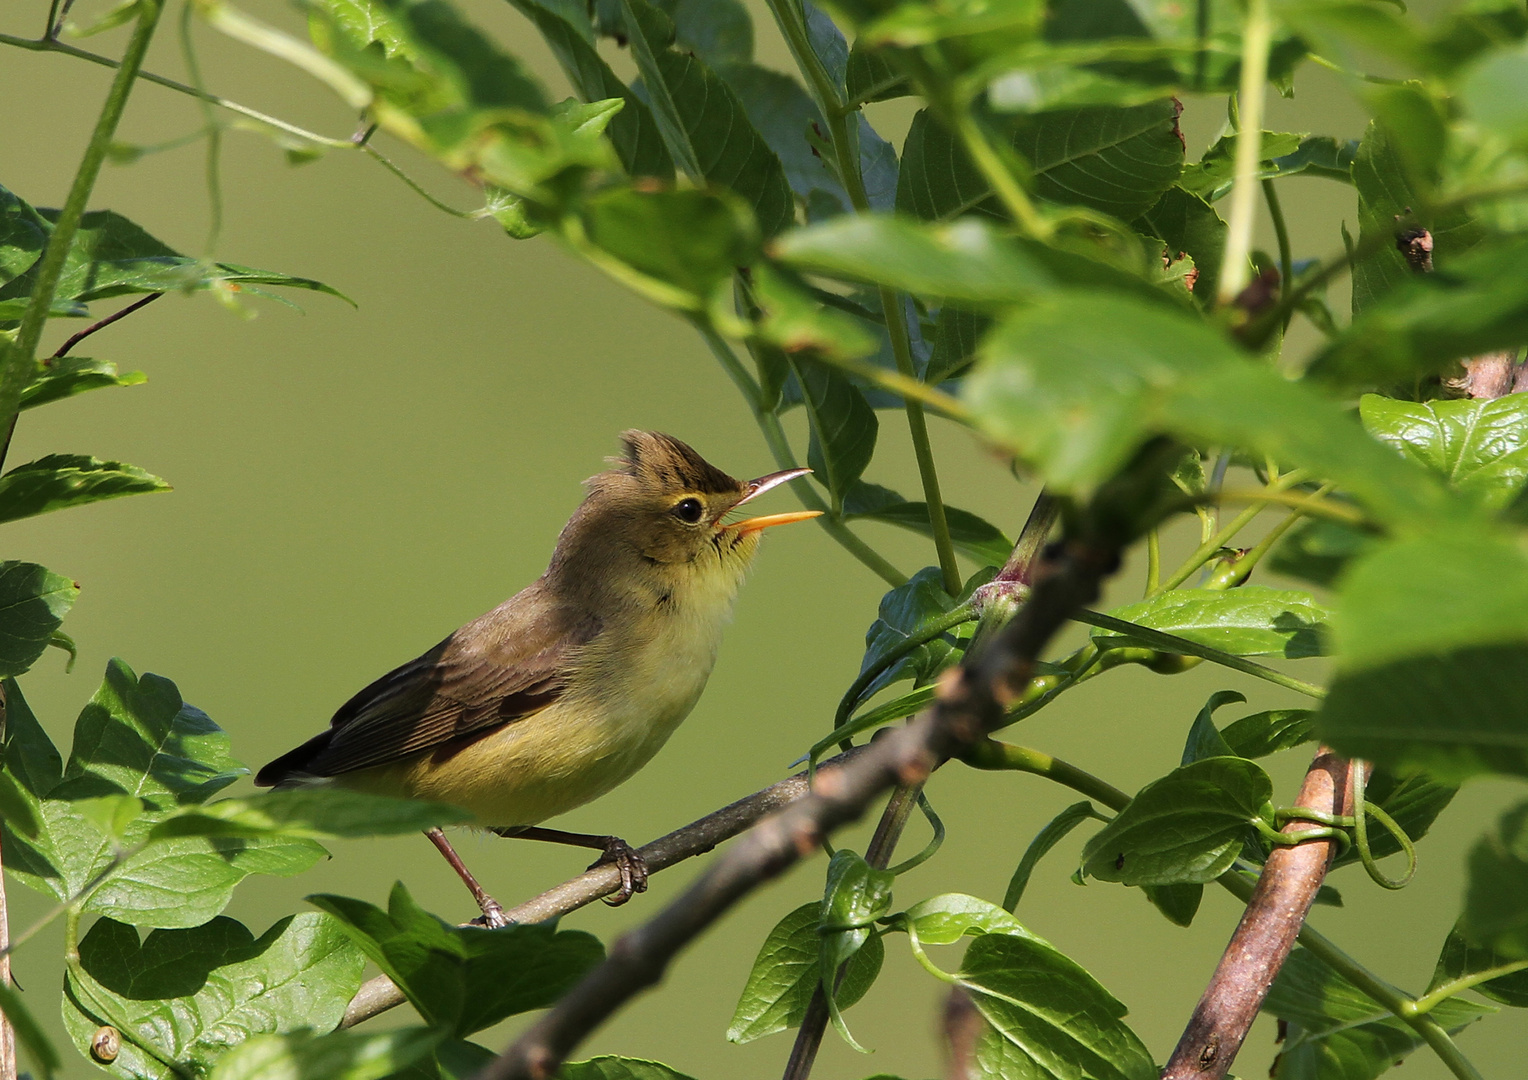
x: 493, y: 916
x: 631, y: 865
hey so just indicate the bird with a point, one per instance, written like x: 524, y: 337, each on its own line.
x: 570, y: 686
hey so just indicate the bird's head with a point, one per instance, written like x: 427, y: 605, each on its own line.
x: 666, y: 505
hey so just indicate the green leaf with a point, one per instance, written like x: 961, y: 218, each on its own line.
x: 1050, y: 1016
x: 1387, y: 193
x: 702, y: 121
x: 1269, y: 732
x: 717, y: 31
x: 1186, y: 828
x: 1433, y: 657
x: 1204, y: 738
x: 1189, y: 226
x: 967, y: 261
x: 59, y: 481
x: 1211, y: 176
x: 856, y: 895
x: 957, y: 331
x: 29, y: 1033
x: 464, y: 979
x: 1118, y: 161
x: 1319, y: 550
x: 1459, y: 959
x: 1078, y: 382
x: 310, y: 812
x: 786, y: 972
x: 30, y: 756
x: 945, y: 919
x: 1178, y: 903
x: 679, y: 247
x: 340, y: 1055
x: 1496, y: 902
x: 905, y: 612
x: 65, y: 376
x: 1336, y: 1030
x: 1253, y: 620
x: 111, y: 256
x: 632, y: 131
x: 33, y: 602
x: 872, y: 76
x: 364, y: 22
x: 843, y: 426
x: 1494, y: 93
x: 18, y: 808
x: 782, y: 112
x: 188, y: 996
x: 938, y: 180
x: 978, y: 540
x: 1480, y: 447
x: 1413, y: 801
x: 618, y: 1068
x: 23, y: 235
x: 1053, y: 833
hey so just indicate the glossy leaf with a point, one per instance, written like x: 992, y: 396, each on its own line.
x: 33, y: 603
x: 1177, y: 903
x: 702, y: 121
x: 786, y: 972
x: 111, y: 256
x: 1055, y: 830
x: 1433, y: 657
x: 1480, y: 447
x: 945, y: 919
x: 463, y: 979
x: 1051, y: 1017
x: 1459, y: 959
x: 843, y: 426
x: 1186, y: 828
x: 967, y: 261
x: 340, y: 1055
x: 904, y: 613
x: 1253, y: 620
x: 65, y: 376
x: 188, y: 996
x: 1269, y: 732
x: 1204, y: 738
x: 855, y: 896
x: 618, y: 1068
x: 1337, y: 1030
x: 632, y: 131
x: 1496, y: 903
x: 60, y: 481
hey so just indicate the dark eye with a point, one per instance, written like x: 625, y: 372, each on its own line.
x: 688, y: 510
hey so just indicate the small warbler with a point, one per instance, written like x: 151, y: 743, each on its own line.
x: 569, y: 687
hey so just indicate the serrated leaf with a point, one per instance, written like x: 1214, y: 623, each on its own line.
x: 702, y: 122
x: 1118, y: 161
x: 785, y: 974
x: 1253, y: 620
x: 1051, y: 1018
x: 65, y: 376
x: 843, y: 426
x: 1480, y: 447
x: 1496, y: 903
x: 1189, y: 226
x: 1055, y: 830
x: 464, y: 979
x: 33, y: 602
x: 59, y: 481
x: 1211, y: 176
x: 1186, y: 828
x: 188, y: 996
x: 340, y: 1055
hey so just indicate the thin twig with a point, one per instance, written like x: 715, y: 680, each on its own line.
x: 1266, y: 934
x: 971, y: 700
x: 102, y: 324
x: 696, y: 838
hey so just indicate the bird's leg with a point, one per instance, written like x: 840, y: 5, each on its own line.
x: 614, y: 850
x: 493, y: 915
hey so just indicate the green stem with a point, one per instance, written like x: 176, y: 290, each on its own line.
x: 212, y: 129
x: 1281, y: 232
x: 1153, y: 562
x: 780, y: 448
x: 1310, y: 504
x: 1433, y: 998
x: 791, y: 20
x: 957, y: 617
x: 1256, y: 35
x: 994, y: 755
x: 1206, y: 551
x: 19, y: 359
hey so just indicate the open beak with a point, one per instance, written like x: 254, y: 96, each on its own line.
x: 759, y: 487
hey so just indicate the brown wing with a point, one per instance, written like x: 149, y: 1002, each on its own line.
x: 507, y: 665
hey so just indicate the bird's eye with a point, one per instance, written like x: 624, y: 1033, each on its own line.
x: 688, y: 510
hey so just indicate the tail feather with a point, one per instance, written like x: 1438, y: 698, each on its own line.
x: 290, y: 769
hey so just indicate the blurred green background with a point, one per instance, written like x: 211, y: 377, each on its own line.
x: 353, y: 484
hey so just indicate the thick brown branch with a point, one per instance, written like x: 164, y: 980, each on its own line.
x: 971, y: 701
x: 697, y: 838
x: 1267, y: 931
